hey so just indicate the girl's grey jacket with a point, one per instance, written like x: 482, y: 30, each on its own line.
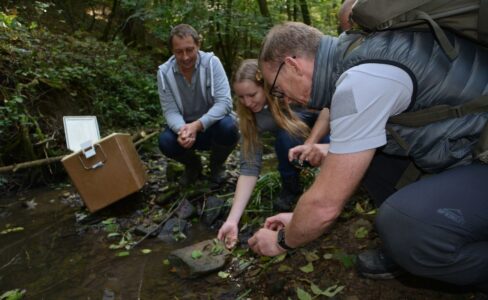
x: 215, y: 88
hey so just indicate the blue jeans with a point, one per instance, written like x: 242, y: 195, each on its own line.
x: 284, y: 142
x: 222, y: 133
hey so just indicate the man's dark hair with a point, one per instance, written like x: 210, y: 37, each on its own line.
x: 181, y: 31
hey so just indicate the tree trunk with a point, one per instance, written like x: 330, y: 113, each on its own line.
x: 263, y: 8
x: 305, y: 12
x: 106, y: 32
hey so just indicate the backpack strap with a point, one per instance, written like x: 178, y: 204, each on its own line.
x: 411, y: 174
x: 443, y: 112
x: 481, y: 150
x: 440, y: 112
x: 439, y: 33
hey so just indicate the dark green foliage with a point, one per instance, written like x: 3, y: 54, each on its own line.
x: 44, y: 76
x: 99, y: 57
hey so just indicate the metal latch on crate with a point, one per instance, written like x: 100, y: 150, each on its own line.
x: 89, y: 150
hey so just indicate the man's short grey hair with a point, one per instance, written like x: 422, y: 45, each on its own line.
x: 182, y: 31
x: 289, y: 39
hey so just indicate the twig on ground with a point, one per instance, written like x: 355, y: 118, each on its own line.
x: 171, y: 210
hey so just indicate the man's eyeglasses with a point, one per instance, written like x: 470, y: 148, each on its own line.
x: 272, y: 91
x: 276, y: 93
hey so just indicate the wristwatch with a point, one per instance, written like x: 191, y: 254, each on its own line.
x: 281, y: 240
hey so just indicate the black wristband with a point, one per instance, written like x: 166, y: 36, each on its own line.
x: 281, y: 240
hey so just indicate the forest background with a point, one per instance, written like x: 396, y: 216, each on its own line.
x: 99, y: 57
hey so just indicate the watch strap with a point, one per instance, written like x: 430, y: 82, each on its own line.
x: 281, y: 240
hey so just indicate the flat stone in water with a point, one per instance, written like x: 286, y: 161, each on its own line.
x: 188, y: 266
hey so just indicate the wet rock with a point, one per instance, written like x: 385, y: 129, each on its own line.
x: 151, y: 230
x: 199, y: 259
x: 173, y: 230
x: 212, y: 210
x: 108, y: 294
x: 244, y: 236
x: 185, y: 210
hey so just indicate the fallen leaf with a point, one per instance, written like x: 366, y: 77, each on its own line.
x: 285, y: 268
x: 303, y: 295
x: 328, y: 256
x: 310, y: 256
x: 361, y: 232
x: 308, y: 268
x: 123, y: 253
x: 333, y: 290
x: 31, y: 204
x: 196, y: 254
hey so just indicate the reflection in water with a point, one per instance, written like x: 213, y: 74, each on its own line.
x: 55, y: 257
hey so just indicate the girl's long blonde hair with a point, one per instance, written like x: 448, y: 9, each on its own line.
x: 282, y: 114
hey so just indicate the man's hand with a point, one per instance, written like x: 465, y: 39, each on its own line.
x: 188, y: 134
x: 313, y: 153
x: 265, y: 242
x: 186, y: 142
x: 278, y: 221
x: 228, y: 233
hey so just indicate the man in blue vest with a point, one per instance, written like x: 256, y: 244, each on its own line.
x: 435, y: 226
x: 195, y: 97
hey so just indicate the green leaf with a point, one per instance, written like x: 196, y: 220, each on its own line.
x: 308, y: 268
x: 303, y: 295
x: 217, y: 247
x: 166, y: 262
x: 284, y: 268
x: 146, y: 251
x: 279, y: 258
x: 371, y: 212
x: 109, y: 221
x: 348, y: 260
x: 223, y: 275
x: 328, y: 256
x: 361, y: 232
x: 310, y: 256
x: 10, y: 230
x: 358, y: 208
x: 16, y: 294
x: 196, y: 254
x: 123, y: 253
x: 333, y: 290
x: 315, y: 289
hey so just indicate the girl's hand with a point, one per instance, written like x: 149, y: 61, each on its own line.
x: 228, y: 234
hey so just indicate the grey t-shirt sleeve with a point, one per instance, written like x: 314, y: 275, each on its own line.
x: 251, y: 166
x: 365, y: 97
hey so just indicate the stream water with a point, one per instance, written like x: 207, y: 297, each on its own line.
x: 49, y: 254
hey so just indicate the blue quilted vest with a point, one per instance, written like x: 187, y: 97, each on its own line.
x: 437, y: 81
